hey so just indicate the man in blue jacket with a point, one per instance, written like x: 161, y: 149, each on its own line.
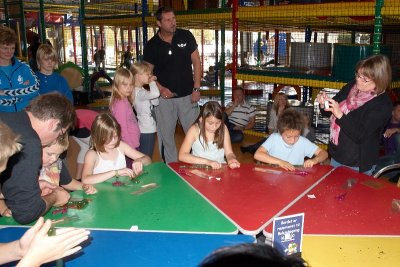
x: 18, y: 84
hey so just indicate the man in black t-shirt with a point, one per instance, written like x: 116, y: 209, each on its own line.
x: 45, y: 119
x: 172, y: 52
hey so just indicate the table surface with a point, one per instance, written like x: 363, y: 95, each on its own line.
x: 251, y: 198
x: 124, y: 248
x: 172, y: 206
x: 350, y: 251
x: 359, y: 210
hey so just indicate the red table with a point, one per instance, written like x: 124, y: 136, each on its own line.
x: 359, y: 210
x: 251, y: 198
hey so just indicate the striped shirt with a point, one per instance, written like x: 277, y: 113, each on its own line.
x: 241, y: 115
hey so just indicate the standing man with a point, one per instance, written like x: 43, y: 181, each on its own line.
x: 172, y: 52
x: 102, y: 56
x: 46, y: 118
x: 241, y: 116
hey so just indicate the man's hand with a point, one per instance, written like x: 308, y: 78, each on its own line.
x: 195, y: 96
x: 62, y: 197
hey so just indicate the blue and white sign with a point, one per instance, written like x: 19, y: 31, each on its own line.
x: 287, y: 233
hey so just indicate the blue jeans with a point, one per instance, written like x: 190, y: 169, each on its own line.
x: 236, y: 135
x: 147, y: 141
x: 334, y: 163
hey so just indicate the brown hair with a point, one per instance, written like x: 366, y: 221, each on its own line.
x: 53, y: 106
x: 104, y: 127
x: 378, y: 69
x: 46, y: 51
x: 9, y: 143
x: 163, y: 10
x: 120, y: 77
x: 211, y: 108
x: 7, y: 36
x: 290, y: 120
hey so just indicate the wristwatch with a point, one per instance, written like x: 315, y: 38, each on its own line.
x: 196, y: 89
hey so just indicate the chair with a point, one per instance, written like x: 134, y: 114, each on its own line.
x: 391, y: 167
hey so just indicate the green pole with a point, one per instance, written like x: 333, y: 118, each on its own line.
x: 378, y: 27
x: 84, y: 47
x: 23, y: 29
x: 6, y: 13
x: 42, y: 23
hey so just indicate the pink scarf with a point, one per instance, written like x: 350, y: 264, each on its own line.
x: 354, y: 100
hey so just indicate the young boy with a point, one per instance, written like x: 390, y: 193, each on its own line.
x: 50, y: 81
x: 287, y: 147
x: 35, y: 247
x: 391, y: 143
x: 9, y: 146
x: 51, y: 167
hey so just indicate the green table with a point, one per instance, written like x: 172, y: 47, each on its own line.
x: 172, y: 206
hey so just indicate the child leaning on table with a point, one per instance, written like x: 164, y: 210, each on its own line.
x: 287, y: 147
x: 52, y: 164
x: 106, y: 158
x: 208, y: 139
x: 35, y: 247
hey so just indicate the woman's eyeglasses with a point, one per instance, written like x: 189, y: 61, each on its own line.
x: 362, y: 78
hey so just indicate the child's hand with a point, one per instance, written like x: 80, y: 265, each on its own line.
x: 126, y: 172
x: 233, y: 164
x: 137, y: 167
x: 286, y: 165
x: 152, y: 78
x: 89, y: 189
x: 309, y: 163
x: 215, y: 165
x: 37, y: 247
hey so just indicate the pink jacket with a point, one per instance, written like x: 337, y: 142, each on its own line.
x: 123, y: 112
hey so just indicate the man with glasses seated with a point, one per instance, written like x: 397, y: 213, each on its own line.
x: 46, y: 118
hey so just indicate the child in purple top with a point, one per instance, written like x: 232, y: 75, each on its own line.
x: 121, y: 107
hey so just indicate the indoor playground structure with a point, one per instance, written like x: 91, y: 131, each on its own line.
x: 298, y: 46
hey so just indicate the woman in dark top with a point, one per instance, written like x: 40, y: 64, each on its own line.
x: 359, y: 112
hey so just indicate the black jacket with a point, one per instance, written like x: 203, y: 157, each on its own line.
x: 360, y: 131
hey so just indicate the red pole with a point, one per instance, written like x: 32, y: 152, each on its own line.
x: 101, y: 36
x: 116, y: 46
x: 74, y: 43
x: 129, y: 36
x: 235, y: 38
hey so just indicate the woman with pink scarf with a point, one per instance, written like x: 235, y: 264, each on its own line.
x: 359, y: 113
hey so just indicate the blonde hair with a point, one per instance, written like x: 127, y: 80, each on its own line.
x: 9, y: 143
x: 141, y: 67
x: 46, y: 51
x: 104, y: 127
x: 120, y: 77
x: 61, y: 142
x: 378, y: 69
x: 275, y: 105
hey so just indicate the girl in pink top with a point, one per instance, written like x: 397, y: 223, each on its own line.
x: 121, y: 107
